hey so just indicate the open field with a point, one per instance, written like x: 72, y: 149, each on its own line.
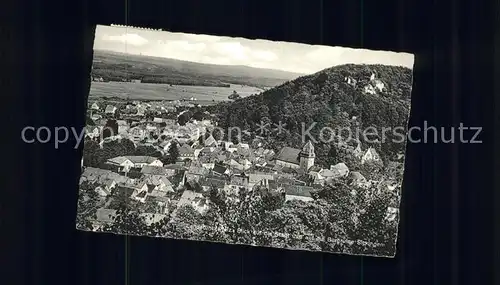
x: 147, y: 91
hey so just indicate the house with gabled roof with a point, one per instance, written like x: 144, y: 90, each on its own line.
x: 241, y: 180
x: 148, y: 187
x: 157, y: 120
x: 236, y: 184
x: 188, y: 198
x: 256, y: 178
x: 243, y: 146
x: 228, y: 146
x: 96, y: 117
x: 208, y: 182
x: 105, y: 186
x: 110, y: 110
x: 197, y: 148
x: 186, y: 152
x: 140, y: 196
x: 120, y: 163
x: 210, y: 142
x: 340, y: 170
x: 140, y: 161
x: 371, y: 155
x: 161, y: 183
x: 207, y: 162
x: 194, y: 173
x: 221, y: 170
x: 233, y: 164
x: 137, y: 132
x: 92, y: 132
x: 141, y: 110
x: 123, y: 126
x: 172, y: 169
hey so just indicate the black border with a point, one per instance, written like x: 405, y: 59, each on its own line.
x: 445, y: 233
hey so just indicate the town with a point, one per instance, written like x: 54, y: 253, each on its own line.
x: 153, y: 158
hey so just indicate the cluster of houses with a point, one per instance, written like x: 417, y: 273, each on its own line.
x: 153, y: 123
x: 205, y: 164
x: 137, y: 109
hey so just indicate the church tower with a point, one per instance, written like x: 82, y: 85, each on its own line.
x: 307, y: 156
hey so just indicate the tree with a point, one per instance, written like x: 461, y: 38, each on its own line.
x: 234, y: 96
x: 198, y: 115
x: 218, y: 198
x: 110, y: 129
x: 186, y: 223
x: 184, y: 117
x: 271, y: 200
x: 215, y: 227
x: 88, y: 203
x: 91, y: 151
x: 131, y: 223
x: 173, y: 152
x: 371, y: 223
x: 147, y: 150
x: 89, y: 121
x: 115, y: 148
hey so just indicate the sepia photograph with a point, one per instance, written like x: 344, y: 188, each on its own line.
x: 245, y: 141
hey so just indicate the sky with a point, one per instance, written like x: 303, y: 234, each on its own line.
x: 286, y: 56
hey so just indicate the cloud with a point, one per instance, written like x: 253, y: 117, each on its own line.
x: 264, y: 55
x: 241, y: 54
x: 131, y: 39
x: 233, y: 50
x: 324, y: 54
x: 294, y: 57
x: 201, y: 38
x: 184, y: 46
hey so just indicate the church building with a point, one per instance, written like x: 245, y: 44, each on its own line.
x: 297, y: 158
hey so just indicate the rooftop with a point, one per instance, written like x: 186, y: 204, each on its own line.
x: 289, y: 154
x: 141, y: 159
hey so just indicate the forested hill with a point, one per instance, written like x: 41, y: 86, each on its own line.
x: 337, y: 97
x: 114, y: 66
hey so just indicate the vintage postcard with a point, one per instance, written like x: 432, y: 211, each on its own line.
x: 240, y: 141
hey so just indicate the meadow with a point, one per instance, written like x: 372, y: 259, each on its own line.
x: 149, y: 91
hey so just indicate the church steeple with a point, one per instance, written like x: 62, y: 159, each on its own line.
x: 308, y: 150
x: 307, y: 156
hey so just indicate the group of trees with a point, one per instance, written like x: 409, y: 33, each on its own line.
x: 95, y: 156
x: 337, y: 220
x: 88, y: 203
x: 130, y: 222
x: 123, y: 72
x: 325, y: 99
x: 192, y: 114
x: 234, y: 96
x: 172, y: 155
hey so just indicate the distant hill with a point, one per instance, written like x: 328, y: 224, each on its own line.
x: 336, y: 97
x: 113, y: 66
